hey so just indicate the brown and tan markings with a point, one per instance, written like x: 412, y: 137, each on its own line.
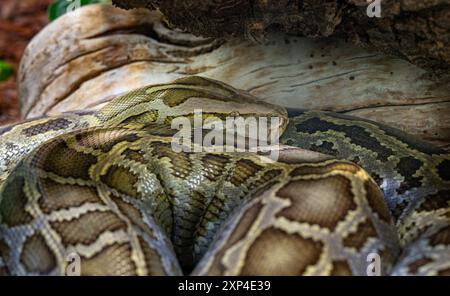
x: 108, y: 186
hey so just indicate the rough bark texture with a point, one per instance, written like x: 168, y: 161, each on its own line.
x: 418, y: 31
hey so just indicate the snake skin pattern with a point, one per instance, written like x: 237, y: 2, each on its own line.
x: 108, y: 187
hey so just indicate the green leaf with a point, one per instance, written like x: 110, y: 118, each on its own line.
x: 5, y: 70
x: 60, y: 7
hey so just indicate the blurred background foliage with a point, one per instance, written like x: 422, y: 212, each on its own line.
x: 5, y: 70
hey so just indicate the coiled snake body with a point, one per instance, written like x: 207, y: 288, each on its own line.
x: 108, y: 187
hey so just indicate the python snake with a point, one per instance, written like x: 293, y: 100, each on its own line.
x: 108, y: 186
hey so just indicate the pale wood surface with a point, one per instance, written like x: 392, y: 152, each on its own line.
x: 97, y: 52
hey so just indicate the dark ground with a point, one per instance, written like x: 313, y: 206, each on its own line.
x: 19, y: 22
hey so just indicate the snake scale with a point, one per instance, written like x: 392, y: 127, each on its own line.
x: 107, y: 186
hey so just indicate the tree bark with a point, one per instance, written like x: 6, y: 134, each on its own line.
x: 418, y: 31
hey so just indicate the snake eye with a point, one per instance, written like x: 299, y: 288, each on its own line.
x: 235, y: 113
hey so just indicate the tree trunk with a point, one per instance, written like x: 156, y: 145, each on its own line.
x: 418, y: 31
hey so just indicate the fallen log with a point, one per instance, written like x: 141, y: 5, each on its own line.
x: 418, y: 31
x: 99, y: 51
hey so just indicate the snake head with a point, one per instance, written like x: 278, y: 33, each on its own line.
x: 188, y: 96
